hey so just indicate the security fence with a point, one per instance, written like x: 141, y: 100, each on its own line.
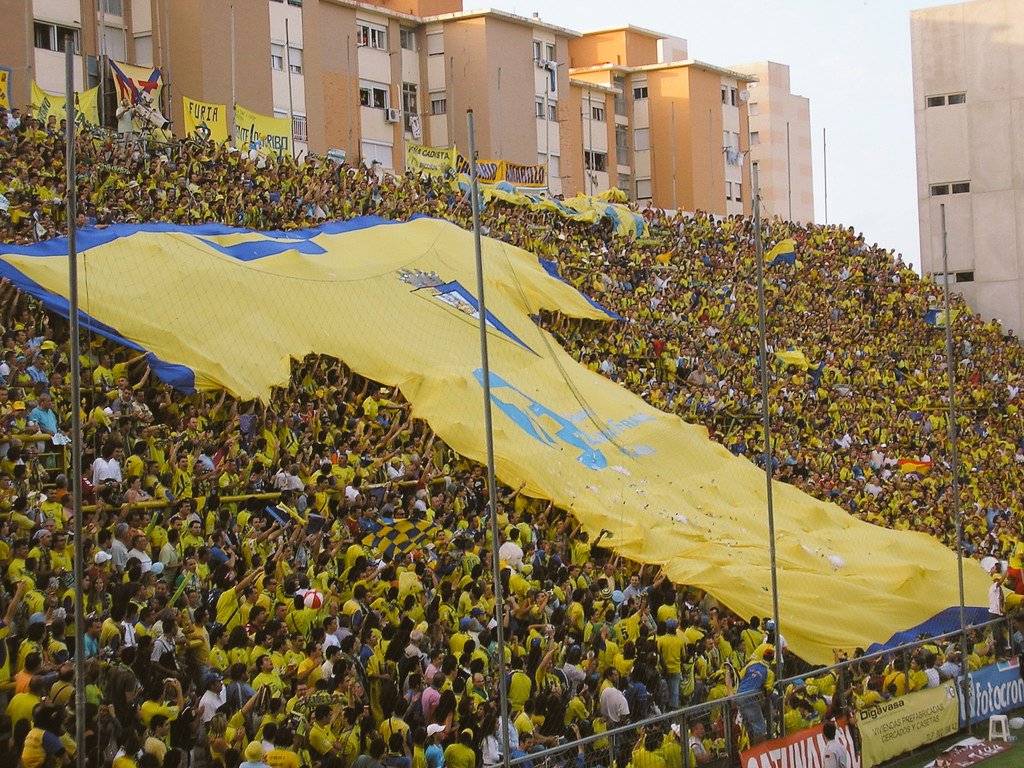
x: 883, y: 703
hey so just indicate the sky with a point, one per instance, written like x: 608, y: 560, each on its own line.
x: 851, y: 58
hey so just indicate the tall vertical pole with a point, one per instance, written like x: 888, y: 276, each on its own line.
x: 451, y: 101
x: 789, y: 174
x: 288, y: 72
x: 955, y: 461
x: 675, y: 199
x: 167, y: 62
x: 711, y: 163
x: 501, y: 122
x: 348, y: 71
x: 547, y: 135
x: 499, y: 601
x: 590, y: 137
x: 824, y: 158
x: 766, y: 418
x: 234, y: 66
x: 76, y: 399
x: 103, y: 61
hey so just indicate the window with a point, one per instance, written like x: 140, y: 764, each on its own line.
x: 640, y: 92
x: 374, y: 96
x: 728, y: 190
x: 755, y: 138
x: 295, y: 2
x: 737, y: 192
x: 549, y: 52
x: 438, y: 103
x: 51, y: 37
x: 553, y: 111
x: 940, y: 189
x: 725, y: 94
x: 113, y: 7
x: 752, y: 109
x: 625, y: 183
x: 960, y: 187
x: 410, y: 104
x: 956, y: 98
x: 435, y: 44
x: 733, y: 96
x: 299, y: 128
x: 372, y: 36
x: 595, y: 161
x: 620, y: 96
x: 407, y: 39
x: 936, y: 101
x: 276, y: 56
x: 295, y: 60
x: 965, y: 277
x: 621, y: 142
x: 538, y: 49
x: 597, y: 113
x: 374, y: 152
x: 642, y: 139
x: 643, y: 189
x: 538, y: 109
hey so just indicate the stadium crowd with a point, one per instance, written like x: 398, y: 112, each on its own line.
x: 306, y: 582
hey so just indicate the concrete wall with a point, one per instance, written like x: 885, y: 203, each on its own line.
x: 975, y: 49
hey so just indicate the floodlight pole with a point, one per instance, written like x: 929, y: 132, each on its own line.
x: 76, y: 399
x: 499, y: 602
x: 766, y: 423
x: 955, y: 461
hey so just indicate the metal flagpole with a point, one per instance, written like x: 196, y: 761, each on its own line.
x: 824, y: 163
x: 766, y: 418
x: 167, y: 64
x: 955, y: 460
x: 234, y: 67
x: 288, y: 72
x: 499, y: 602
x: 103, y: 62
x: 76, y: 402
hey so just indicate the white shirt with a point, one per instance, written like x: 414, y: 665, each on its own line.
x: 142, y: 557
x: 614, y: 707
x: 834, y: 756
x: 995, y: 599
x: 105, y: 470
x: 211, y: 702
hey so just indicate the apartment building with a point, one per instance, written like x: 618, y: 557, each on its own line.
x: 623, y: 107
x: 968, y: 65
x: 680, y: 125
x: 780, y: 141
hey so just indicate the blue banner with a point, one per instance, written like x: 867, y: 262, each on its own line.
x: 995, y: 689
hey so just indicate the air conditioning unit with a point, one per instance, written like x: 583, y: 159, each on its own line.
x: 392, y: 115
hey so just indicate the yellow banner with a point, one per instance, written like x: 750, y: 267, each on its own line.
x: 208, y: 122
x: 45, y: 104
x: 429, y: 160
x: 899, y: 725
x: 664, y: 492
x: 267, y: 135
x: 5, y: 88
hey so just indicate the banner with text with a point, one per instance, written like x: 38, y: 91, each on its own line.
x: 5, y: 88
x: 208, y: 122
x: 995, y: 689
x: 899, y: 725
x: 433, y: 161
x: 267, y: 135
x: 45, y: 104
x: 803, y: 748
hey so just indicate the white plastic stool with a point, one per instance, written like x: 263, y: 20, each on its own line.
x: 998, y: 728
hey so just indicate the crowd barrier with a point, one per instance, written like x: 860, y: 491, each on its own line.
x: 871, y: 735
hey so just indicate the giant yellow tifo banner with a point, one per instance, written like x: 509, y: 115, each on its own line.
x: 45, y: 104
x: 208, y: 122
x: 267, y: 135
x: 429, y: 160
x: 899, y: 725
x: 396, y: 302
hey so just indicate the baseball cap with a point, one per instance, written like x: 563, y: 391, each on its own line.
x: 434, y: 728
x: 210, y: 678
x: 254, y: 752
x: 671, y: 624
x: 102, y: 557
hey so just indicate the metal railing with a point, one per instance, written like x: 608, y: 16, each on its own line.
x: 614, y: 746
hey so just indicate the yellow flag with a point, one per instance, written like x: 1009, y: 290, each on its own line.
x: 208, y: 122
x: 45, y: 104
x: 267, y: 135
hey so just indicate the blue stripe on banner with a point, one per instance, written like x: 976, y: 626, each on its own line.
x: 551, y: 267
x: 946, y: 621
